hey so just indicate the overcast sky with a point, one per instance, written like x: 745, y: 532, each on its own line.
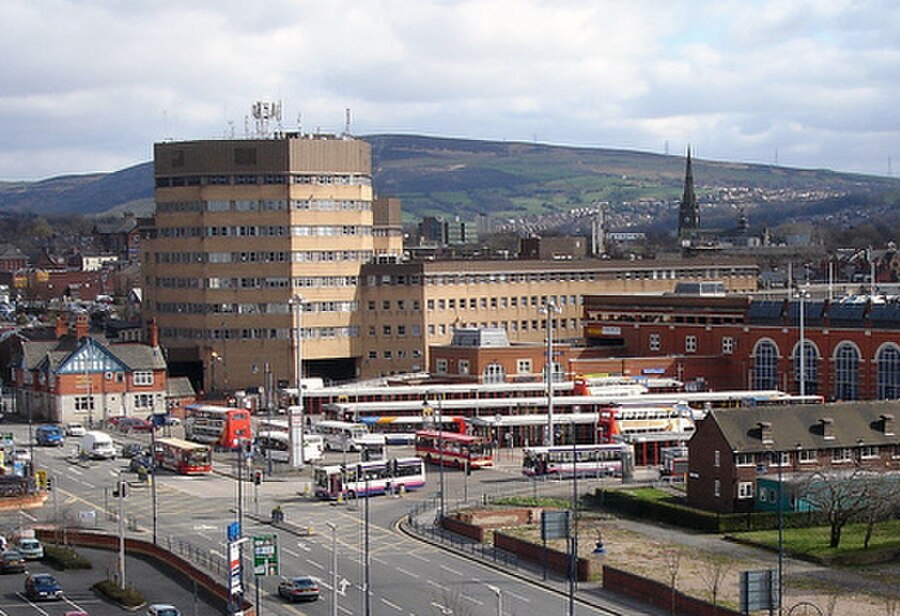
x: 89, y: 85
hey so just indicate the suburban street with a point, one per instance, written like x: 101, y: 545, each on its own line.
x: 407, y: 576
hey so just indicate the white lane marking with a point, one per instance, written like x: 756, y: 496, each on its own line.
x: 517, y: 596
x: 217, y: 553
x: 304, y: 547
x: 25, y: 514
x: 393, y: 605
x: 88, y: 484
x: 472, y: 599
x: 404, y: 571
x: 36, y: 607
x: 381, y: 560
x: 417, y: 557
x: 453, y: 571
x: 315, y: 564
x: 345, y: 610
x: 74, y: 471
x: 436, y: 585
x: 291, y: 552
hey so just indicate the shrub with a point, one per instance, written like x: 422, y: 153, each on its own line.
x: 126, y: 597
x: 65, y: 557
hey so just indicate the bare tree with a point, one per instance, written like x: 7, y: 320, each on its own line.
x: 673, y: 565
x: 841, y: 497
x: 883, y: 499
x: 715, y: 572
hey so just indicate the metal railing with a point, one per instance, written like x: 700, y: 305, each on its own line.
x: 202, y: 557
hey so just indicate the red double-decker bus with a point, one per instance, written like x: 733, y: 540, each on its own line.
x: 453, y: 449
x: 217, y: 426
x: 182, y: 457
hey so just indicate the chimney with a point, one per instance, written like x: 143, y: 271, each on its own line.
x: 827, y: 424
x: 887, y: 424
x: 765, y: 432
x: 62, y: 327
x: 153, y: 333
x: 81, y: 326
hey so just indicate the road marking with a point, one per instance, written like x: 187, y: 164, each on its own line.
x: 436, y: 585
x: 217, y: 553
x: 472, y: 599
x: 291, y: 552
x: 25, y: 514
x: 304, y: 547
x: 517, y: 596
x: 417, y: 557
x: 345, y: 610
x: 315, y: 564
x: 381, y: 560
x: 393, y: 605
x: 409, y: 573
x: 25, y: 599
x: 453, y: 571
x: 75, y: 471
x: 204, y: 527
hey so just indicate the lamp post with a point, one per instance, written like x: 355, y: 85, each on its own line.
x: 295, y: 429
x: 802, y: 294
x: 440, y: 457
x: 549, y: 309
x: 496, y: 590
x: 334, y: 569
x: 368, y: 594
x: 573, y: 541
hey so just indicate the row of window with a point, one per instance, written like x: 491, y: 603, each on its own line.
x: 266, y: 205
x: 264, y: 231
x: 271, y: 179
x: 728, y: 344
x: 297, y: 256
x: 85, y: 404
x: 398, y: 354
x: 252, y: 308
x: 524, y: 301
x: 691, y: 319
x: 258, y: 333
x: 510, y: 326
x: 309, y: 282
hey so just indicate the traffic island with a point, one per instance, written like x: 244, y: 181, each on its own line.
x: 127, y: 598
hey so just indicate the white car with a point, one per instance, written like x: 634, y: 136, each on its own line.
x: 30, y: 548
x: 75, y: 429
x: 163, y: 609
x: 22, y: 455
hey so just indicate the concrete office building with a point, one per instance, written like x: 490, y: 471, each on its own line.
x: 243, y: 226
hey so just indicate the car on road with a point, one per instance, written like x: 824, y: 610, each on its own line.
x: 22, y: 455
x: 302, y: 588
x: 164, y: 420
x: 42, y: 586
x: 75, y: 429
x: 163, y: 609
x: 130, y: 450
x: 30, y: 548
x: 49, y: 435
x: 12, y: 561
x: 133, y: 424
x: 140, y: 463
x: 75, y: 613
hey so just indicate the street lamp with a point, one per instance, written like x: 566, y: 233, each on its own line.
x: 802, y: 295
x: 573, y: 557
x: 295, y: 429
x: 496, y: 590
x: 549, y: 309
x: 334, y: 569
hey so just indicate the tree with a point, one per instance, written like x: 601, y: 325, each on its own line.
x: 841, y: 497
x: 673, y: 565
x: 717, y: 569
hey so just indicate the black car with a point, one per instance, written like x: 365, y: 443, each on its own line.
x: 130, y: 450
x: 42, y: 586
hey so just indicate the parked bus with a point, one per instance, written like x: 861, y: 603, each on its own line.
x: 402, y: 430
x: 182, y: 457
x: 275, y: 445
x: 217, y: 426
x: 566, y: 460
x: 369, y: 478
x: 451, y: 449
x: 341, y: 435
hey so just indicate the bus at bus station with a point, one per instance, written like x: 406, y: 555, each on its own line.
x: 182, y: 457
x: 451, y: 449
x: 394, y: 476
x: 568, y: 460
x: 222, y: 427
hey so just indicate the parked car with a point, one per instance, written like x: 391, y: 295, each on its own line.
x: 97, y: 445
x: 75, y: 613
x: 30, y: 548
x: 12, y: 561
x: 163, y: 609
x: 303, y: 588
x: 134, y: 424
x: 75, y: 429
x: 164, y: 420
x: 49, y: 435
x: 42, y: 586
x: 131, y: 450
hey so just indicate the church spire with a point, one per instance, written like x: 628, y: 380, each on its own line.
x: 688, y: 214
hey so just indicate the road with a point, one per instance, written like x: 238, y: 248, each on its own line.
x: 407, y: 577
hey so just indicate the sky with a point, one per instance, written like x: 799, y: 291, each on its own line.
x: 89, y: 85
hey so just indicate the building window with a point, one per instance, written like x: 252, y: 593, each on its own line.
x: 690, y: 344
x: 84, y: 404
x: 143, y: 377
x: 143, y: 401
x: 889, y: 372
x: 744, y: 459
x: 868, y: 452
x: 401, y: 330
x: 810, y: 368
x: 386, y: 330
x: 373, y: 354
x: 846, y: 372
x: 806, y: 456
x: 493, y: 373
x: 841, y: 455
x: 745, y: 489
x: 765, y: 373
x: 717, y: 459
x: 440, y: 366
x: 654, y: 342
x: 463, y: 366
x: 727, y: 345
x: 523, y: 366
x: 717, y: 488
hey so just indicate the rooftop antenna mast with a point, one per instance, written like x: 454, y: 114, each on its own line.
x: 299, y: 123
x: 347, y: 122
x: 263, y: 113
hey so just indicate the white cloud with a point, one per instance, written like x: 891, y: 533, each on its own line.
x: 90, y: 84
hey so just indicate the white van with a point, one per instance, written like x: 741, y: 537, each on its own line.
x: 97, y: 445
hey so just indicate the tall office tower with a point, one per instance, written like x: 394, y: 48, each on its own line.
x: 244, y: 227
x: 689, y: 212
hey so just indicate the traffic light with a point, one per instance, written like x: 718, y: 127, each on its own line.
x: 257, y: 478
x: 48, y: 482
x: 121, y: 490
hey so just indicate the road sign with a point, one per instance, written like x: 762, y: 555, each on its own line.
x: 554, y: 525
x: 759, y: 590
x: 265, y: 555
x: 234, y: 531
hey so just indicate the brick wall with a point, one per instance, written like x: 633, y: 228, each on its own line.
x: 658, y: 594
x: 557, y: 561
x: 465, y: 529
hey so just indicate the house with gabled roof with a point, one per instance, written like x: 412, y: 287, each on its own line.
x: 83, y: 377
x: 733, y: 449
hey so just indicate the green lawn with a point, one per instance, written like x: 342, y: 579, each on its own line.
x: 814, y: 541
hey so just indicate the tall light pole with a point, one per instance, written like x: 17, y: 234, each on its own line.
x: 334, y: 569
x: 573, y: 558
x: 549, y: 309
x: 803, y: 293
x: 440, y: 454
x: 295, y: 413
x: 496, y: 590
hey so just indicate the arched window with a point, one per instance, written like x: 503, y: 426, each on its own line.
x: 889, y: 372
x: 846, y: 372
x: 765, y: 366
x: 493, y: 373
x: 810, y: 367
